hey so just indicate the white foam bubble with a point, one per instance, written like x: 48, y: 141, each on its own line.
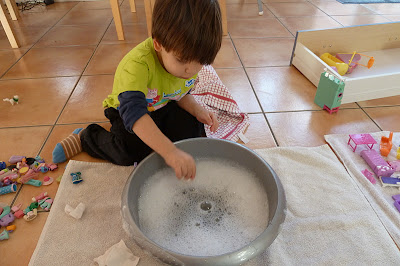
x: 170, y: 210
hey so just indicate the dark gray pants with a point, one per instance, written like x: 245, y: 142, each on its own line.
x: 124, y: 148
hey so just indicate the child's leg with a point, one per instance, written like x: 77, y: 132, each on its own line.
x: 179, y: 124
x: 118, y: 146
x: 68, y: 147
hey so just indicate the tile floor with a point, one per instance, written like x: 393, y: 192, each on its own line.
x: 69, y: 52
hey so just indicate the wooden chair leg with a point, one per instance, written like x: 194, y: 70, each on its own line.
x: 148, y: 10
x: 117, y: 19
x: 133, y: 5
x: 13, y: 9
x: 222, y: 5
x: 7, y: 28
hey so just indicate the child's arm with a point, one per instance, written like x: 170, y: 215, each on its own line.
x: 189, y: 104
x: 180, y: 161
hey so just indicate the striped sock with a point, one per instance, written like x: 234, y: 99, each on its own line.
x: 68, y: 147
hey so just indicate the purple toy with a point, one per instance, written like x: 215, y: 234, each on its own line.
x: 16, y: 159
x: 6, y: 217
x: 397, y: 205
x: 377, y: 163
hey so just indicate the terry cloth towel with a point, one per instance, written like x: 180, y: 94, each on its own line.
x: 380, y: 198
x: 211, y: 93
x: 328, y: 220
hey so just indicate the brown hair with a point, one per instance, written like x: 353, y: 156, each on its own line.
x: 190, y: 28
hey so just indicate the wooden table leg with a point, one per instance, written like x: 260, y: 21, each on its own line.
x: 13, y: 9
x: 133, y: 6
x: 117, y: 19
x: 222, y: 5
x: 7, y: 28
x: 149, y: 11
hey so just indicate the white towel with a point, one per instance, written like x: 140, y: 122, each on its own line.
x: 328, y: 220
x: 380, y: 198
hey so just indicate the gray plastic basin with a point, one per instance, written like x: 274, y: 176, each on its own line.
x: 206, y: 148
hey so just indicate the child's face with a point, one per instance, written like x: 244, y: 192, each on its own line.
x: 173, y: 65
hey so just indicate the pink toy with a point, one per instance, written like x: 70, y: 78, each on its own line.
x: 346, y: 58
x: 15, y: 208
x: 47, y: 180
x: 39, y: 197
x: 359, y: 139
x: 52, y: 166
x: 28, y: 176
x: 19, y: 214
x: 369, y: 176
x: 395, y: 165
x: 46, y: 203
x: 1, y: 210
x: 377, y: 163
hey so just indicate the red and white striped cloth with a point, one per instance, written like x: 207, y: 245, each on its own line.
x: 212, y: 94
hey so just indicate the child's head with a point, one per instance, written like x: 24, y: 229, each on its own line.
x: 187, y: 34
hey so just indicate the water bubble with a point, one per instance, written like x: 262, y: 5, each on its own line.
x: 197, y: 224
x: 205, y: 206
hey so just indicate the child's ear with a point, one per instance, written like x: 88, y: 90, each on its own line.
x: 157, y: 45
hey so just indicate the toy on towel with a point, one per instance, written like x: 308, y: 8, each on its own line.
x: 386, y: 144
x: 117, y: 255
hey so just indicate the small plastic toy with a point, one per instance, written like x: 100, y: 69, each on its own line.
x: 8, y: 189
x: 13, y: 100
x: 338, y: 64
x: 369, y: 176
x: 34, y: 182
x: 46, y: 203
x: 76, y: 177
x: 28, y: 176
x: 359, y: 139
x: 31, y: 207
x: 39, y: 197
x: 52, y: 166
x: 30, y: 215
x: 15, y: 159
x: 59, y: 179
x: 47, y: 180
x: 390, y: 181
x: 377, y: 163
x: 386, y: 144
x: 19, y: 214
x: 15, y: 208
x: 4, y: 235
x: 6, y: 210
x: 6, y: 217
x: 11, y: 228
x: 329, y: 92
x: 2, y: 165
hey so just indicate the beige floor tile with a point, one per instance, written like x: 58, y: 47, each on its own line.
x: 126, y: 4
x: 134, y: 33
x: 283, y: 1
x: 90, y: 17
x: 8, y: 58
x: 129, y: 17
x: 107, y: 58
x: 295, y: 24
x: 72, y: 35
x: 40, y: 100
x: 360, y: 20
x: 103, y: 4
x: 308, y: 128
x: 393, y: 17
x: 237, y: 83
x: 90, y: 92
x: 264, y: 52
x: 251, y: 28
x: 39, y: 19
x: 246, y: 11
x: 386, y: 117
x: 258, y: 133
x: 384, y: 9
x: 19, y: 248
x: 57, y: 6
x: 26, y: 36
x: 294, y: 9
x: 236, y: 2
x: 337, y: 9
x: 227, y: 56
x: 388, y: 101
x: 51, y: 62
x: 284, y: 89
x: 14, y: 141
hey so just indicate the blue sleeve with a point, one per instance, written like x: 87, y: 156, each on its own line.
x: 133, y: 105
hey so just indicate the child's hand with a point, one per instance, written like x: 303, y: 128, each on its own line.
x: 182, y: 163
x: 208, y: 118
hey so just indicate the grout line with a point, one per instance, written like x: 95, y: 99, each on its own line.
x: 266, y: 6
x: 365, y: 112
x: 255, y: 94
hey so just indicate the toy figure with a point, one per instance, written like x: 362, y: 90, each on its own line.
x: 46, y: 203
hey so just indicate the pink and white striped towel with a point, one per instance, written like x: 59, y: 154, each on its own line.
x: 212, y: 94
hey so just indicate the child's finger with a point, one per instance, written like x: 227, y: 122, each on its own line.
x: 178, y: 172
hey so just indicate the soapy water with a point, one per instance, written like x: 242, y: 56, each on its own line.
x: 222, y: 210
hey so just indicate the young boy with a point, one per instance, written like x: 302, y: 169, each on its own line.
x: 150, y: 106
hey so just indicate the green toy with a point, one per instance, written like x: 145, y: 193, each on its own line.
x: 329, y: 92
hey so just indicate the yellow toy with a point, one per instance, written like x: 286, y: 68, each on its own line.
x: 337, y: 64
x: 398, y: 153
